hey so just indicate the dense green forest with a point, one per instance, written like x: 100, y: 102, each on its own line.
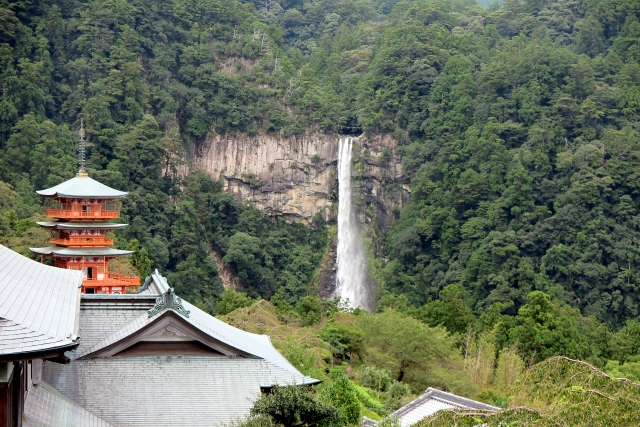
x: 517, y: 125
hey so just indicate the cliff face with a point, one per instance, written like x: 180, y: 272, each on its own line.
x: 296, y: 177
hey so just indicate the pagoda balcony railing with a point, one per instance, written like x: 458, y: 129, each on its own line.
x: 82, y: 241
x: 83, y: 214
x: 112, y: 279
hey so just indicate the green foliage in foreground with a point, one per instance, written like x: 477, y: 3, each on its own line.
x: 558, y: 392
x: 360, y: 356
x: 295, y: 406
x: 561, y: 393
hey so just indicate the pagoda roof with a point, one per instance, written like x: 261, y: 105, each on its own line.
x: 38, y: 306
x: 63, y: 251
x: 82, y: 187
x: 82, y: 225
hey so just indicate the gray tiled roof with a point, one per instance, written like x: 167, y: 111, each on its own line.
x: 46, y: 407
x: 74, y: 225
x: 61, y: 250
x: 82, y: 187
x: 38, y: 304
x: 165, y: 391
x: 432, y: 401
x: 99, y: 320
x: 258, y: 345
x: 254, y: 344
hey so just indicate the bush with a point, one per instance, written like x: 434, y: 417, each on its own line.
x: 231, y: 300
x: 375, y: 379
x: 396, y: 394
x: 296, y: 406
x: 315, y: 159
x: 310, y: 309
x: 343, y: 395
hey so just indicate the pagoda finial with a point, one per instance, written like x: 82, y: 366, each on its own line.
x: 81, y: 151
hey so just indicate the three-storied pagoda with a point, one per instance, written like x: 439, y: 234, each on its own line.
x: 83, y: 207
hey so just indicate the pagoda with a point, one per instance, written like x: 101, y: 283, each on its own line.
x: 83, y: 208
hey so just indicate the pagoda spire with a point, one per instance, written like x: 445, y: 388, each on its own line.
x: 81, y: 151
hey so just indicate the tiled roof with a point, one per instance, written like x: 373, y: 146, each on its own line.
x: 82, y: 187
x: 89, y: 251
x: 46, y: 407
x: 258, y: 345
x: 155, y: 284
x: 99, y: 319
x: 38, y: 304
x: 253, y: 344
x: 432, y: 401
x: 75, y: 225
x: 165, y: 391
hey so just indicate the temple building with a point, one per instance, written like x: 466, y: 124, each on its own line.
x: 430, y: 403
x: 38, y: 322
x: 144, y: 360
x: 83, y: 208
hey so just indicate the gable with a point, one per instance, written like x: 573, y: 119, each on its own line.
x: 168, y: 348
x: 168, y: 328
x: 189, y: 319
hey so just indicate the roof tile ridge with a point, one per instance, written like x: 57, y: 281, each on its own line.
x: 460, y: 401
x: 410, y: 406
x: 214, y: 334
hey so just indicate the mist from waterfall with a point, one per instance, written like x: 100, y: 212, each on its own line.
x: 351, y: 275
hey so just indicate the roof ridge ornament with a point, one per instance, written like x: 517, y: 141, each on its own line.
x: 168, y: 300
x: 81, y: 151
x: 145, y: 285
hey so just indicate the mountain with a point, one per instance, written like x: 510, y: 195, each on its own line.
x: 497, y: 152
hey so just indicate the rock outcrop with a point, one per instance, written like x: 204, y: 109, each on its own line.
x: 295, y: 177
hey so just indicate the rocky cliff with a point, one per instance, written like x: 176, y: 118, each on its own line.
x: 296, y: 177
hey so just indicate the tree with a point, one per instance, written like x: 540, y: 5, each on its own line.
x: 341, y: 394
x: 140, y: 153
x: 231, y: 300
x: 247, y: 257
x: 590, y: 36
x: 410, y: 350
x: 449, y: 310
x: 295, y: 406
x: 140, y: 258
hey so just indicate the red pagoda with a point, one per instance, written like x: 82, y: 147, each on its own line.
x: 83, y: 207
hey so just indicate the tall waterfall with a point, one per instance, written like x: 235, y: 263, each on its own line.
x: 351, y: 260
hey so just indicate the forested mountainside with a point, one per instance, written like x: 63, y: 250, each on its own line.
x: 516, y: 125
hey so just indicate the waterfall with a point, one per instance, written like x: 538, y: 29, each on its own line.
x: 350, y: 279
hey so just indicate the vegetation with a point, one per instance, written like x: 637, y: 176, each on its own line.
x: 516, y: 125
x: 564, y: 392
x: 360, y: 376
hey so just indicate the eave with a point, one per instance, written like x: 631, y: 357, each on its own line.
x: 49, y: 353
